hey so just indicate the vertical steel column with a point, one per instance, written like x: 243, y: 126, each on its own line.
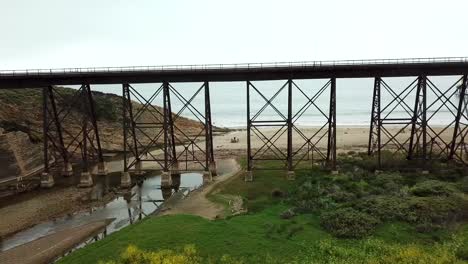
x: 165, y: 126
x: 58, y: 125
x: 208, y: 113
x: 132, y: 123
x: 376, y: 122
x: 207, y: 128
x: 419, y: 119
x: 460, y: 110
x: 249, y: 125
x: 45, y: 128
x: 289, y: 123
x: 170, y: 121
x: 92, y: 115
x: 84, y: 150
x: 331, y: 149
x: 424, y: 120
x: 125, y: 124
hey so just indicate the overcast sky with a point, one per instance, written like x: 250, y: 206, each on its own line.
x: 80, y: 33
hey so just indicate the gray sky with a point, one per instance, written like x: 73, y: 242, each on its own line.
x: 71, y: 33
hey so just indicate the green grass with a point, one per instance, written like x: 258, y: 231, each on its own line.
x: 261, y: 236
x: 247, y: 236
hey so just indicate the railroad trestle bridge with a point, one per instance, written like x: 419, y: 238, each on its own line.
x: 424, y: 142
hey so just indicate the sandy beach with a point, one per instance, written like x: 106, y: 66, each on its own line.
x: 347, y: 138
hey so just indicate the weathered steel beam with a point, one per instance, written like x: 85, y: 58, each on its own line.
x: 20, y: 80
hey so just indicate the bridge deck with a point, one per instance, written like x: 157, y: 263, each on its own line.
x: 235, y: 72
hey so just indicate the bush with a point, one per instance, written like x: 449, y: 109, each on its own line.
x: 378, y: 251
x: 384, y: 207
x: 433, y: 187
x: 309, y: 197
x: 189, y: 255
x: 462, y: 252
x: 434, y: 212
x: 388, y: 178
x: 464, y: 184
x: 340, y: 196
x: 277, y: 193
x: 348, y: 223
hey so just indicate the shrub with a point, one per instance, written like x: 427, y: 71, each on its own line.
x: 384, y: 207
x: 277, y: 193
x: 310, y: 197
x: 433, y: 212
x: 189, y: 255
x: 464, y: 184
x: 340, y: 196
x: 388, y: 178
x: 359, y: 188
x: 433, y: 187
x: 462, y: 252
x: 348, y: 223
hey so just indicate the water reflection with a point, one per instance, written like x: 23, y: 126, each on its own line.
x: 144, y: 198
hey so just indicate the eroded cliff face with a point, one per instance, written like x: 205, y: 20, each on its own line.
x: 18, y: 155
x: 21, y: 124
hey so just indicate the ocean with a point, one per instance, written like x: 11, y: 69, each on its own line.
x: 353, y: 100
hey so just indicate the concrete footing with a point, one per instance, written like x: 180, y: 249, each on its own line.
x: 139, y: 168
x: 125, y: 179
x: 425, y: 172
x: 67, y: 170
x: 86, y: 180
x: 47, y: 180
x: 175, y: 168
x: 291, y: 175
x: 377, y: 172
x: 166, y: 192
x: 175, y: 181
x: 166, y: 180
x: 212, y: 169
x: 207, y: 177
x: 248, y: 176
x: 175, y: 176
x: 334, y: 172
x: 102, y: 168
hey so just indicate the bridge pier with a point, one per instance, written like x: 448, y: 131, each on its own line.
x: 424, y: 142
x: 67, y: 170
x: 125, y: 180
x: 285, y: 124
x: 418, y: 140
x: 166, y: 179
x: 47, y: 180
x: 458, y: 145
x: 175, y: 175
x: 213, y: 169
x: 248, y: 176
x: 86, y: 180
x: 207, y: 177
x: 102, y: 168
x: 87, y: 141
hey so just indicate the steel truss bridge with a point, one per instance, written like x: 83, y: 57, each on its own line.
x: 423, y: 142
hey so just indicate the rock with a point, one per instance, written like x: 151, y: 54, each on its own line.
x: 277, y: 193
x: 288, y: 214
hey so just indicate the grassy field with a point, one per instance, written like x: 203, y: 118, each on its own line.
x: 262, y: 236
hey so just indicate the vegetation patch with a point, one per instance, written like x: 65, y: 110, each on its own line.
x: 356, y: 216
x: 348, y: 223
x: 433, y: 187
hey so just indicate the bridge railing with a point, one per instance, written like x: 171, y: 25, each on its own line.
x: 234, y: 66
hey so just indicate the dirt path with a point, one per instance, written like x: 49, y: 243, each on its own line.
x: 43, y: 206
x: 46, y: 249
x: 196, y: 202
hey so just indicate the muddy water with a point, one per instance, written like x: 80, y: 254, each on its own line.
x: 127, y: 208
